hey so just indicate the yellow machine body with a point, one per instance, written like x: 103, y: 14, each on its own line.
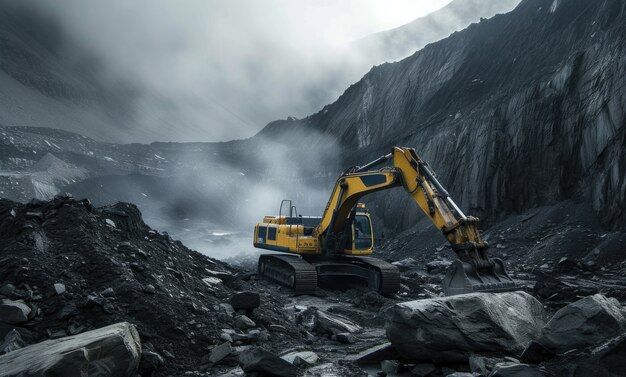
x: 295, y: 235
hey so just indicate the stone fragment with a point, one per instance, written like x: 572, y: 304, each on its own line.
x: 346, y: 337
x: 59, y: 288
x: 245, y: 300
x: 301, y: 358
x: 374, y: 355
x: 13, y: 311
x: 261, y: 361
x: 114, y: 350
x: 244, y: 323
x: 12, y: 341
x: 220, y: 352
x: 332, y: 324
x: 586, y: 322
x: 517, y: 370
x: 7, y: 289
x: 449, y: 329
x: 390, y: 366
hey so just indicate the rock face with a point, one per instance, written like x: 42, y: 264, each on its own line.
x: 498, y: 105
x: 109, y: 351
x: 448, y: 329
x: 586, y: 322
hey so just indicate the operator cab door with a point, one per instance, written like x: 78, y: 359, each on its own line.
x: 360, y: 239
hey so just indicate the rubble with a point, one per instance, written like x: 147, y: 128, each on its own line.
x: 448, y: 329
x: 114, y: 351
x: 245, y: 300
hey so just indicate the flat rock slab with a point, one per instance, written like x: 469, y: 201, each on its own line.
x: 114, y: 350
x: 449, y: 329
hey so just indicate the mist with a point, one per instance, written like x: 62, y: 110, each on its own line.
x: 219, y: 70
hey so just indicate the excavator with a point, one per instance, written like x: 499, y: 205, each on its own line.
x: 339, y: 244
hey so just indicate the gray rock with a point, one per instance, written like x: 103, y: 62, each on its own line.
x: 482, y: 364
x: 114, y: 350
x: 586, y: 322
x: 13, y: 311
x: 301, y: 358
x: 437, y: 266
x: 374, y: 355
x: 7, y: 289
x: 261, y: 361
x: 345, y: 337
x: 423, y: 370
x: 227, y: 308
x: 218, y: 353
x: 390, y: 366
x: 517, y: 370
x: 12, y: 341
x: 332, y: 324
x: 245, y: 300
x: 59, y: 288
x: 448, y: 329
x: 244, y: 323
x: 107, y: 292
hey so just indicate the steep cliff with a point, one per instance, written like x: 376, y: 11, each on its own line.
x: 517, y: 111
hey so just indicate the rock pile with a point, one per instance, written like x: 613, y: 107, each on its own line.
x: 67, y: 268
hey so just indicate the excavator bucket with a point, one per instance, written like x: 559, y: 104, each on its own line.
x: 465, y: 277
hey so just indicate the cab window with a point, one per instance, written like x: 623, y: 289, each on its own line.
x: 362, y: 232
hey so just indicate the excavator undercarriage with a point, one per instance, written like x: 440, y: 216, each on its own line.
x: 303, y: 274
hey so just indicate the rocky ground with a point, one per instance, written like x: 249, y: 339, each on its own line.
x: 67, y: 268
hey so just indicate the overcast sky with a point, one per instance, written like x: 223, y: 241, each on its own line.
x: 212, y: 70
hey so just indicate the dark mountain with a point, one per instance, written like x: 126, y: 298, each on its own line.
x: 395, y: 44
x: 520, y: 110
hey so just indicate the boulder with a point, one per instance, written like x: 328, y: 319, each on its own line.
x: 245, y: 300
x: 586, y: 322
x: 448, y: 329
x: 261, y: 361
x: 13, y: 311
x: 114, y: 350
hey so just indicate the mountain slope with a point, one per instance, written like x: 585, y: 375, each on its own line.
x: 517, y: 111
x: 400, y: 42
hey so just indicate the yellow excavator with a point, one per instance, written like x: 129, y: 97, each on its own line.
x: 340, y: 243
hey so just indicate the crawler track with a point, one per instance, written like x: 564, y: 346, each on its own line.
x: 290, y: 271
x: 301, y: 274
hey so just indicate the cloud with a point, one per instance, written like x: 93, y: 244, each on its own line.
x: 217, y: 70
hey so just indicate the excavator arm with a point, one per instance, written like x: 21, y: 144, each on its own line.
x: 472, y: 271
